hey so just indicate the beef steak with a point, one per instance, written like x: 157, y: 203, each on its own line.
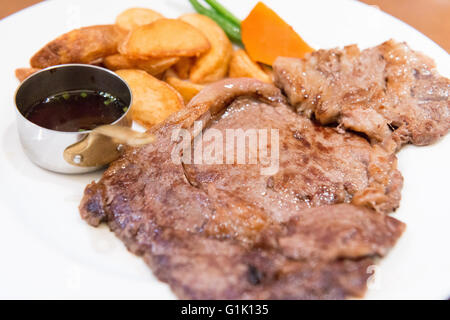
x: 317, y: 165
x: 226, y: 232
x: 390, y: 93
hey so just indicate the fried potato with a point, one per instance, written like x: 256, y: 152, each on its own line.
x: 183, y: 67
x: 268, y: 70
x: 23, y: 73
x: 212, y: 65
x: 164, y: 38
x: 242, y: 66
x: 135, y: 17
x: 186, y: 88
x: 153, y: 100
x: 154, y: 66
x: 83, y: 45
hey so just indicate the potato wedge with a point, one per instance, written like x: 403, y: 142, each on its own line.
x: 242, y: 66
x: 153, y: 100
x: 154, y: 66
x: 23, y: 73
x: 186, y: 88
x: 183, y: 67
x: 83, y: 45
x: 135, y: 17
x: 212, y: 65
x: 164, y: 38
x: 267, y: 70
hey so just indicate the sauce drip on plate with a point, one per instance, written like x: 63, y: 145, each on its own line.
x: 76, y: 111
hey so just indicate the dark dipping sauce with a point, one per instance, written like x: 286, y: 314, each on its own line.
x: 76, y: 111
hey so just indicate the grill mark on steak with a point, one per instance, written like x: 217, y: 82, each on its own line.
x: 212, y: 242
x: 254, y: 275
x: 374, y: 91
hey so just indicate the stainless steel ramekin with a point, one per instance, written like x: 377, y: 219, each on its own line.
x: 46, y: 147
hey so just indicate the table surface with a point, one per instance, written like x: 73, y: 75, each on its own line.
x: 431, y: 17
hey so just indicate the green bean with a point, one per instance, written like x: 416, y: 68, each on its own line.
x: 232, y: 31
x: 224, y: 12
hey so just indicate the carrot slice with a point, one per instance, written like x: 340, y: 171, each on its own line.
x: 266, y: 36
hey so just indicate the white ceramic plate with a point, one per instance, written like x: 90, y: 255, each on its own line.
x: 47, y: 251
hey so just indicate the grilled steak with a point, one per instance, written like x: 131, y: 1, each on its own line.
x: 228, y: 232
x: 389, y: 92
x: 317, y: 165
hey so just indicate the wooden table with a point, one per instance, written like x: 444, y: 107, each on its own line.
x: 431, y: 17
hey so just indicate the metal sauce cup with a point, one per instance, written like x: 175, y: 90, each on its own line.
x: 49, y: 148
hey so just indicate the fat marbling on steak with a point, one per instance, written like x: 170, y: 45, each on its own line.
x: 390, y: 93
x: 228, y: 232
